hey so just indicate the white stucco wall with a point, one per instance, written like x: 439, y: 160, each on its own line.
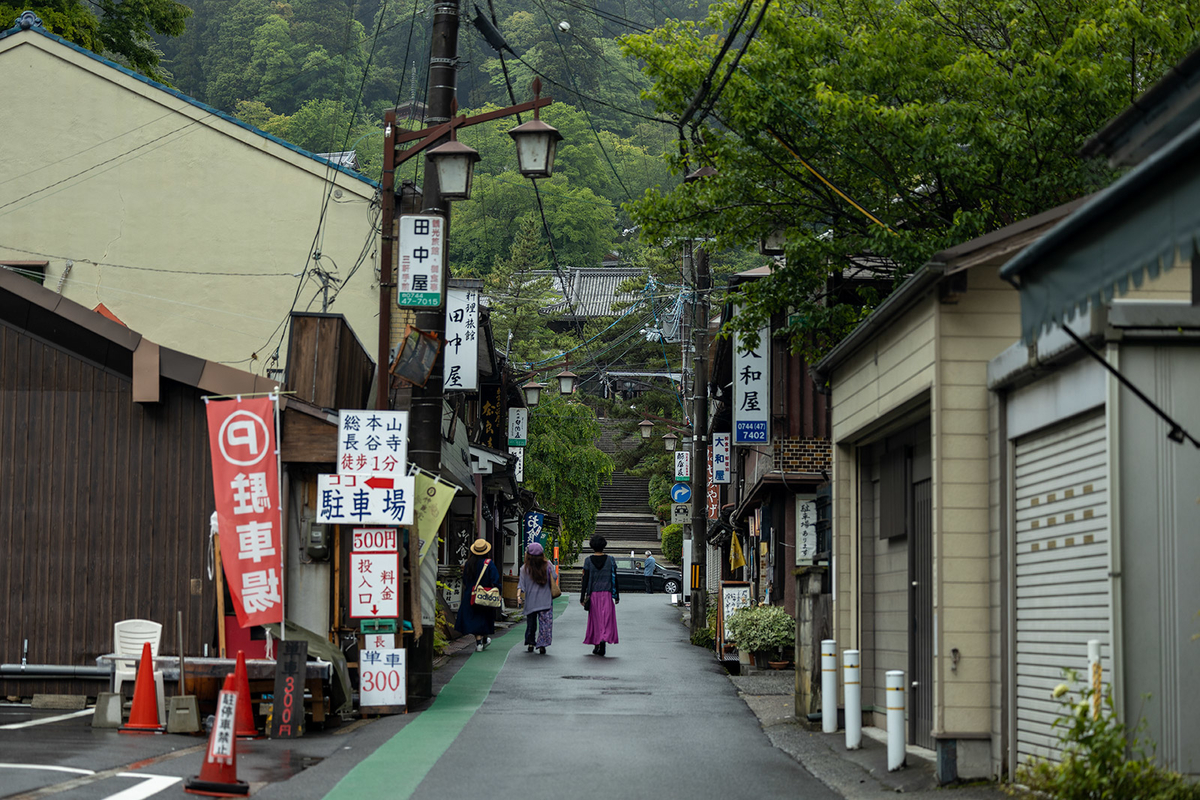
x: 100, y: 166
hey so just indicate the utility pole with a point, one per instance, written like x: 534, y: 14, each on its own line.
x: 700, y: 439
x: 425, y: 415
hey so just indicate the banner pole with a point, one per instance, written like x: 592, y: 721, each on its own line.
x: 282, y: 523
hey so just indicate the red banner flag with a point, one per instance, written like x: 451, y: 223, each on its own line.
x: 246, y: 487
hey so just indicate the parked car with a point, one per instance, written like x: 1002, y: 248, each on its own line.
x: 631, y: 577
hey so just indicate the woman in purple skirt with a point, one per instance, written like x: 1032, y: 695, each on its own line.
x: 599, y: 596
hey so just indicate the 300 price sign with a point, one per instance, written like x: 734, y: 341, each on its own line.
x: 381, y: 676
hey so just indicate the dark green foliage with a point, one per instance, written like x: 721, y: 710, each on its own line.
x: 672, y: 544
x: 564, y: 467
x: 942, y: 126
x: 122, y: 30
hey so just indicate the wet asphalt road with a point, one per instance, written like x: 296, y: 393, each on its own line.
x: 654, y: 718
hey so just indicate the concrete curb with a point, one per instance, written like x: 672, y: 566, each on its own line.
x: 856, y: 774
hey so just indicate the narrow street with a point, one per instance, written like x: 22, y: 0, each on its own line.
x: 656, y: 717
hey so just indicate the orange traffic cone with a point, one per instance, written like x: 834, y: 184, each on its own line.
x: 218, y: 773
x: 143, y: 717
x: 245, y: 709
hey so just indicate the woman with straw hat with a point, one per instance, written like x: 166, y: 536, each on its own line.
x: 480, y: 621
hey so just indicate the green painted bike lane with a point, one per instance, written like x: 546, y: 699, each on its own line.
x: 400, y: 764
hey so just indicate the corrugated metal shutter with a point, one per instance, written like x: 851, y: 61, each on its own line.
x: 920, y: 603
x: 1062, y: 562
x: 712, y: 567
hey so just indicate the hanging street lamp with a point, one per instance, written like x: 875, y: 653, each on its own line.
x: 646, y: 427
x: 536, y: 142
x: 455, y: 163
x: 566, y: 381
x: 533, y: 392
x: 669, y: 442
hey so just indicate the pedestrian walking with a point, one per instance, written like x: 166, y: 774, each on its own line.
x: 600, y: 596
x: 534, y: 586
x: 480, y: 621
x: 648, y: 571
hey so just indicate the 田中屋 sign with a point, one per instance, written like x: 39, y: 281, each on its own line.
x: 420, y: 257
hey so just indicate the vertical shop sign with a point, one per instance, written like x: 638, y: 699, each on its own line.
x: 806, y: 530
x: 714, y: 492
x: 461, y: 369
x: 246, y: 490
x: 752, y: 390
x: 518, y: 426
x: 683, y: 465
x: 420, y: 256
x: 720, y: 458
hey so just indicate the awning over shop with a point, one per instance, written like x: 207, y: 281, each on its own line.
x: 1143, y: 224
x: 799, y: 482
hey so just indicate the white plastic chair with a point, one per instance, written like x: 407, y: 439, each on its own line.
x: 129, y: 636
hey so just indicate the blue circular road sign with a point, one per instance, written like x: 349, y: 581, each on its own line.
x: 681, y: 493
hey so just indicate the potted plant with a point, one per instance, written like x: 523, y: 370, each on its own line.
x: 763, y: 630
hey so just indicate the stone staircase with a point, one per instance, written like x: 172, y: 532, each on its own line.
x: 625, y: 518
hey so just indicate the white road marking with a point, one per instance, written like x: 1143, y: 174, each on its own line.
x: 47, y: 720
x: 150, y: 785
x: 49, y: 768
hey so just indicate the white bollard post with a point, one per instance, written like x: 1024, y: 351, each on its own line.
x: 829, y: 686
x: 852, y: 680
x: 1094, y: 675
x: 895, y: 719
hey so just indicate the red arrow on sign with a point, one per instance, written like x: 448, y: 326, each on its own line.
x: 379, y: 483
x: 374, y: 609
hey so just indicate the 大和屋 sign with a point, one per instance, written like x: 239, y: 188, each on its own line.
x: 752, y: 390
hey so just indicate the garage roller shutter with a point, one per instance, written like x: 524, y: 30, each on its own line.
x: 1062, y: 562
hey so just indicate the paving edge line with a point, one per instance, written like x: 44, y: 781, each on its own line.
x: 398, y: 766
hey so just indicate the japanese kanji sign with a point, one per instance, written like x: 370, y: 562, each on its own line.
x: 752, y: 390
x: 374, y: 585
x: 535, y: 530
x: 246, y: 490
x: 461, y: 366
x: 518, y: 426
x: 373, y: 443
x: 365, y: 500
x: 683, y: 465
x: 287, y: 716
x: 806, y: 530
x: 419, y: 260
x: 492, y: 434
x: 374, y: 574
x: 713, y: 494
x: 381, y: 676
x: 223, y: 741
x: 719, y: 469
x: 519, y: 452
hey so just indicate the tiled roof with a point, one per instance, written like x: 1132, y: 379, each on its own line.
x: 592, y: 290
